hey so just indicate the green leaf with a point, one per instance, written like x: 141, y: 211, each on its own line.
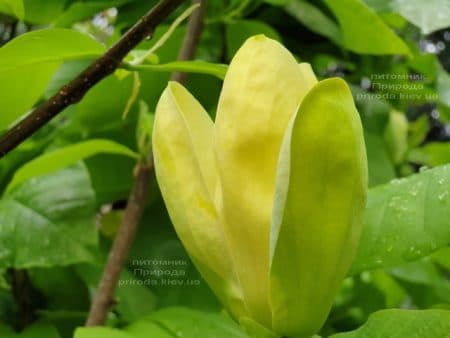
x: 102, y: 107
x: 313, y: 18
x: 64, y: 157
x: 135, y: 300
x: 277, y: 2
x: 381, y: 169
x: 363, y: 31
x: 402, y: 324
x: 37, y: 330
x: 405, y: 220
x: 189, y: 323
x: 240, y: 30
x: 25, y: 75
x: 429, y: 15
x: 255, y: 329
x: 111, y: 185
x: 14, y: 7
x: 432, y: 154
x: 199, y: 67
x: 171, y: 323
x: 83, y: 10
x: 145, y: 329
x: 61, y: 287
x: 43, y: 12
x: 102, y: 332
x: 48, y: 221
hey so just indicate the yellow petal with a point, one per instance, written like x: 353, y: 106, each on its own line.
x: 186, y: 173
x: 262, y: 89
x: 318, y: 208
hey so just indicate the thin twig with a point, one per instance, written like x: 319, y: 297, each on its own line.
x: 99, y: 69
x: 191, y: 39
x: 118, y: 255
x: 104, y: 298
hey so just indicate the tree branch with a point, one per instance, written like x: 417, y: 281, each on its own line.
x: 191, y: 39
x: 99, y: 69
x: 118, y: 255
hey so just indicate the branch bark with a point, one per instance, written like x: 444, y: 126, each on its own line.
x: 191, y: 39
x: 98, y: 70
x: 118, y: 255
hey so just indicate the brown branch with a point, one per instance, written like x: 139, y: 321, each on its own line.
x: 191, y: 39
x: 99, y: 69
x: 118, y: 255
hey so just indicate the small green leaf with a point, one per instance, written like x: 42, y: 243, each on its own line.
x: 48, y: 221
x: 313, y: 18
x: 363, y: 31
x: 64, y: 157
x: 402, y: 324
x: 144, y: 129
x: 198, y: 67
x: 24, y: 76
x: 405, y: 220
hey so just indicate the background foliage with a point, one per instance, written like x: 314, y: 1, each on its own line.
x: 63, y: 190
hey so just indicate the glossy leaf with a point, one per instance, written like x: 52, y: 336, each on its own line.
x: 190, y: 323
x: 403, y: 323
x: 405, y: 220
x: 65, y: 157
x: 363, y: 31
x: 318, y: 208
x: 46, y: 50
x: 48, y: 221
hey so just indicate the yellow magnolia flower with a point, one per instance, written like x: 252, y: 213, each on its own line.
x: 268, y: 199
